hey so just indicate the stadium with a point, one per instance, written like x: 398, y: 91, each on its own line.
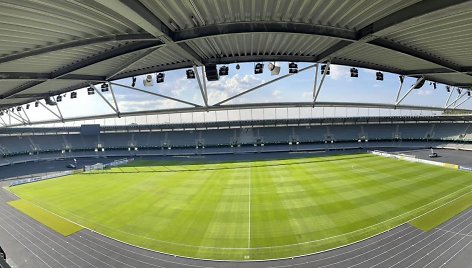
x: 249, y: 133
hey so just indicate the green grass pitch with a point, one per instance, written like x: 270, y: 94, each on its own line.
x: 250, y: 210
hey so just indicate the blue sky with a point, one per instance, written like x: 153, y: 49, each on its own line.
x: 338, y: 86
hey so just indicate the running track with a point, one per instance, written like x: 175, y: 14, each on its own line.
x: 29, y: 244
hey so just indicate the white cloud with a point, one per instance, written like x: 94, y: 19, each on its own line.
x: 424, y: 92
x: 229, y: 86
x: 307, y: 95
x: 339, y: 72
x: 277, y: 94
x: 141, y: 105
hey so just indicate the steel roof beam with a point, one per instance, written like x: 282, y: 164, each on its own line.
x: 48, y: 76
x: 144, y: 18
x: 119, y: 51
x: 78, y: 43
x: 390, y: 23
x: 415, y: 53
x: 262, y: 27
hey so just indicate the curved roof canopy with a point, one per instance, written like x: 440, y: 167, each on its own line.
x: 50, y: 47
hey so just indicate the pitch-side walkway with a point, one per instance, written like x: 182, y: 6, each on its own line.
x: 29, y: 244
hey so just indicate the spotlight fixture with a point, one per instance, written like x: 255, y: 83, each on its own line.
x: 354, y: 72
x: 274, y: 69
x: 224, y: 70
x: 379, y: 76
x: 190, y: 74
x: 402, y: 78
x: 419, y: 83
x: 73, y: 95
x: 459, y: 91
x: 36, y: 104
x: 468, y: 93
x: 147, y: 82
x: 59, y: 98
x: 292, y: 68
x: 105, y: 87
x: 258, y: 68
x: 18, y: 109
x: 1, y: 113
x: 133, y: 83
x: 49, y: 101
x: 448, y: 89
x: 211, y: 72
x: 238, y: 66
x: 324, y: 69
x: 90, y: 91
x: 27, y: 106
x: 160, y: 77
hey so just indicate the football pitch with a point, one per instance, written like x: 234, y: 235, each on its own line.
x: 253, y: 210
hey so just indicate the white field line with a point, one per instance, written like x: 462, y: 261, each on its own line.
x: 249, y: 228
x: 453, y: 232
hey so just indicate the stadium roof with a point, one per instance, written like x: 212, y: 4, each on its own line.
x: 50, y: 47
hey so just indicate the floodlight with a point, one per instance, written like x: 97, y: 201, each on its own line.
x: 258, y: 68
x: 90, y: 91
x: 18, y: 109
x: 49, y: 101
x: 448, y: 89
x: 354, y: 72
x: 211, y: 72
x: 459, y: 91
x: 59, y: 98
x: 379, y: 76
x: 147, y: 82
x: 160, y: 77
x: 434, y: 85
x: 402, y: 78
x: 190, y: 74
x: 73, y: 95
x: 27, y: 106
x: 274, y: 70
x: 419, y: 83
x: 238, y: 67
x: 133, y: 83
x: 1, y: 113
x: 224, y: 70
x: 292, y: 68
x: 104, y: 87
x: 36, y: 103
x: 323, y: 69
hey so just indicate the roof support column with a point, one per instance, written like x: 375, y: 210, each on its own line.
x: 402, y: 79
x: 321, y: 83
x: 156, y: 94
x: 59, y: 110
x: 409, y: 91
x: 462, y: 102
x: 114, y: 100
x: 448, y: 98
x: 202, y: 90
x: 264, y: 84
x: 11, y: 115
x: 103, y: 97
x: 457, y: 99
x: 316, y: 80
x: 47, y: 108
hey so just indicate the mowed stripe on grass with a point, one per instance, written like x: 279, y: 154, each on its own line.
x: 250, y: 210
